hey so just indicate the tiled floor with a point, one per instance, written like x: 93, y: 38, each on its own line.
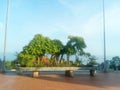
x: 103, y: 81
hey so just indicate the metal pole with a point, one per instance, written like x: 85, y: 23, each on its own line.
x: 5, y: 39
x: 104, y: 36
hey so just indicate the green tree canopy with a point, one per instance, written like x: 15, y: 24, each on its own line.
x: 40, y: 46
x: 75, y: 45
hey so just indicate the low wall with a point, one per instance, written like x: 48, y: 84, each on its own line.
x: 52, y: 68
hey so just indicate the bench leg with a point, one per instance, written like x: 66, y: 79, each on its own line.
x: 69, y: 73
x: 35, y: 74
x: 92, y: 73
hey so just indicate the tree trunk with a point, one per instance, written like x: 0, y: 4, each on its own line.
x: 38, y: 60
x: 61, y: 57
x: 68, y: 56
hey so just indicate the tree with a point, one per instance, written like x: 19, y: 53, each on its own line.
x: 75, y: 45
x: 8, y: 64
x: 115, y: 63
x: 69, y: 50
x: 39, y: 46
x: 116, y: 58
x: 92, y: 61
x: 35, y: 53
x: 56, y: 48
x: 35, y: 50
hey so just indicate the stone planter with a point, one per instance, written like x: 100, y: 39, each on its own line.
x: 69, y: 73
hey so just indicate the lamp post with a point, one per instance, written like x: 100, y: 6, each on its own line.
x: 104, y: 37
x: 5, y: 39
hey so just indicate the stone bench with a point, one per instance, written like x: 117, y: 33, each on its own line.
x: 68, y: 71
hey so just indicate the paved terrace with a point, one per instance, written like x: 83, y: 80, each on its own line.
x: 103, y: 81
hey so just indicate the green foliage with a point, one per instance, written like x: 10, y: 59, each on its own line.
x: 56, y: 48
x: 77, y: 63
x: 64, y: 65
x: 29, y: 63
x: 74, y: 46
x: 77, y: 43
x: 23, y: 63
x: 116, y: 58
x: 38, y: 65
x: 92, y: 61
x: 34, y: 53
x: 13, y: 64
x: 39, y: 45
x: 8, y: 64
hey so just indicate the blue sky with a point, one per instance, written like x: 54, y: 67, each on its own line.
x: 60, y: 18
